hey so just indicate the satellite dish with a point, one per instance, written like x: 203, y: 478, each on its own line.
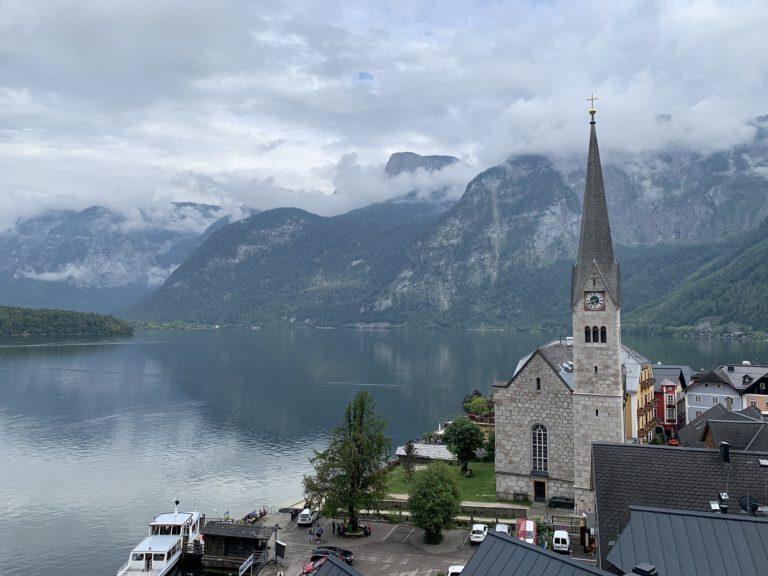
x: 749, y: 504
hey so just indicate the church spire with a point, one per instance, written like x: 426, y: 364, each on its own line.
x: 595, y: 244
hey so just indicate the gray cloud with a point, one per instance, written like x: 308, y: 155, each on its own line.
x: 131, y: 103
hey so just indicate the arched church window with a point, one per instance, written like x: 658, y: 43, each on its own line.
x: 603, y: 335
x: 587, y: 334
x: 539, y: 444
x: 595, y: 335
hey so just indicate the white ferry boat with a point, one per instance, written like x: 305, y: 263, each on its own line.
x: 161, y: 550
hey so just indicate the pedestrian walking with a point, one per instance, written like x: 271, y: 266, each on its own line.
x: 311, y: 534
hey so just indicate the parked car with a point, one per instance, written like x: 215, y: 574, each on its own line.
x: 340, y: 553
x: 561, y: 502
x: 478, y: 534
x: 526, y: 530
x: 307, y: 516
x: 561, y: 542
x: 504, y: 529
x: 455, y: 570
x: 312, y: 566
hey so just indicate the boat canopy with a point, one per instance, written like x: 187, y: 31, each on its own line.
x: 157, y: 544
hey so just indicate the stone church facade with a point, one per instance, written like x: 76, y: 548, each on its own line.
x: 568, y: 393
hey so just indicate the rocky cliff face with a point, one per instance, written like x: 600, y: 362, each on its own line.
x: 97, y: 259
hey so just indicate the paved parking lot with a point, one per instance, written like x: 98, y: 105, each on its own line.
x: 391, y: 549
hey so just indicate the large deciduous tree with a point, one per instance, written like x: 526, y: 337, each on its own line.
x: 351, y: 474
x: 463, y: 437
x: 435, y: 500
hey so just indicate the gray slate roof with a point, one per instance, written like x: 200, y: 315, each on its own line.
x: 734, y: 374
x: 501, y: 555
x: 740, y: 435
x: 253, y: 531
x: 693, y: 543
x: 431, y: 451
x: 675, y: 373
x: 627, y: 475
x: 692, y: 434
x: 335, y: 567
x: 559, y: 355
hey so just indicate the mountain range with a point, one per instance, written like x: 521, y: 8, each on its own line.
x: 688, y: 227
x: 98, y: 259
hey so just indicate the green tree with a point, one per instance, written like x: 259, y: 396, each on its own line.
x: 478, y: 405
x: 463, y: 437
x: 409, y: 459
x: 351, y: 474
x: 435, y: 500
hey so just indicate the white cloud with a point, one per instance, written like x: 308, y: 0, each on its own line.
x: 129, y: 104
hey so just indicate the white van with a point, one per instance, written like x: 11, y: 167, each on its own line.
x: 504, y: 529
x: 561, y: 542
x: 455, y: 570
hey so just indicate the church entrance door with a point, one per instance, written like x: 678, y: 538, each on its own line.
x: 539, y: 491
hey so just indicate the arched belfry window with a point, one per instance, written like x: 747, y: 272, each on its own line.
x: 595, y: 334
x: 587, y: 334
x: 539, y: 445
x: 603, y: 334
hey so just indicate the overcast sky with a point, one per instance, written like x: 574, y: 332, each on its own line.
x: 280, y: 103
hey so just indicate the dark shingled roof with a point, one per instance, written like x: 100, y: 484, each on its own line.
x: 624, y: 475
x: 692, y: 435
x: 501, y: 555
x: 253, y: 531
x: 740, y: 435
x: 673, y: 372
x: 595, y: 244
x: 693, y: 543
x: 335, y: 567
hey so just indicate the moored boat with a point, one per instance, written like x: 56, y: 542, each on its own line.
x: 170, y: 534
x: 154, y: 556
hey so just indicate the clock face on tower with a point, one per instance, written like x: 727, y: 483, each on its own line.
x: 594, y: 301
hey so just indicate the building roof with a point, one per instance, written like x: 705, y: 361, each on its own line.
x: 633, y: 362
x: 595, y: 243
x: 627, y: 475
x: 430, y: 451
x: 675, y: 373
x: 501, y: 555
x: 692, y: 543
x: 692, y: 435
x: 233, y: 530
x: 735, y: 374
x: 558, y: 354
x: 741, y: 435
x: 335, y: 567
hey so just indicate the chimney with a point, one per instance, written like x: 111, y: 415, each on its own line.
x: 730, y: 368
x: 725, y: 451
x: 645, y: 569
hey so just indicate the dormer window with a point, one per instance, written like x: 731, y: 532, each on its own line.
x: 747, y: 379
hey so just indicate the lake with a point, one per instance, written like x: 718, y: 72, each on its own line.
x: 97, y: 437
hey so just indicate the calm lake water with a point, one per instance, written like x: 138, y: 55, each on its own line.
x: 98, y: 437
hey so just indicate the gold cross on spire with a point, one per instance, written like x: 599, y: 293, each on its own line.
x: 592, y: 110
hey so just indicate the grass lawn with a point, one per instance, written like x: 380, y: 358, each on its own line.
x: 481, y: 487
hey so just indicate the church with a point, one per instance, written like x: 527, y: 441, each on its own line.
x: 568, y: 393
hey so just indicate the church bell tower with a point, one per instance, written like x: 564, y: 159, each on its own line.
x: 596, y: 309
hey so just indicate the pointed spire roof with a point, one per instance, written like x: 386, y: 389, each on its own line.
x: 595, y: 243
